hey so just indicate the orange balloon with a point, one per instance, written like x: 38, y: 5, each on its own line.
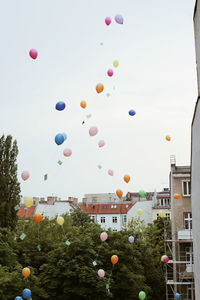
x: 127, y: 178
x: 37, y: 218
x: 26, y: 272
x: 119, y: 193
x: 83, y: 104
x: 177, y: 196
x: 114, y: 259
x: 99, y: 88
x: 168, y: 138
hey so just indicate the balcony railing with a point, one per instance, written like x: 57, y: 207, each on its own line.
x: 185, y: 234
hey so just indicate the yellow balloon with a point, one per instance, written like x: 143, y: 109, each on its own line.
x: 115, y: 63
x: 60, y: 220
x: 28, y: 202
x: 139, y: 211
x: 161, y: 214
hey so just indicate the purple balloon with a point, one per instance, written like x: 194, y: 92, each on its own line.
x: 119, y: 19
x: 131, y: 239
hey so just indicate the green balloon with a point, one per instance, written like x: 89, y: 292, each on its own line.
x: 142, y: 295
x: 142, y: 194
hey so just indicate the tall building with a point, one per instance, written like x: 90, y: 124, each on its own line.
x: 161, y: 205
x: 195, y: 158
x: 179, y: 270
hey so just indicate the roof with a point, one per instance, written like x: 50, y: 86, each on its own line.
x: 106, y: 208
x: 52, y: 210
x: 26, y: 213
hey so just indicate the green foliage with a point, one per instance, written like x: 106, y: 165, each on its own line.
x: 61, y: 270
x: 9, y: 185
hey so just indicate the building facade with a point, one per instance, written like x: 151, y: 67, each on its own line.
x: 179, y: 270
x: 195, y: 158
x: 161, y: 205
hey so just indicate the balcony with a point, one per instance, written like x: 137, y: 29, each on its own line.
x: 185, y: 234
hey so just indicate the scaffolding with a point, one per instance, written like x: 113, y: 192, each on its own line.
x: 179, y: 274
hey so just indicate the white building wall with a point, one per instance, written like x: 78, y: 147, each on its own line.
x: 109, y: 221
x: 146, y: 215
x: 100, y: 198
x: 51, y: 211
x: 196, y: 197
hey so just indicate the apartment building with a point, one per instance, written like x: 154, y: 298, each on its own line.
x: 179, y: 270
x: 161, y: 205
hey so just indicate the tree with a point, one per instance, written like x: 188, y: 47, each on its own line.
x: 9, y: 185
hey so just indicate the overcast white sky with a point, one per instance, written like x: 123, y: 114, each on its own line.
x: 156, y: 77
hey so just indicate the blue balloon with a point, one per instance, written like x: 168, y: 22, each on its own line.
x: 26, y: 293
x: 132, y: 112
x: 18, y: 298
x: 177, y: 296
x: 60, y: 105
x: 59, y: 138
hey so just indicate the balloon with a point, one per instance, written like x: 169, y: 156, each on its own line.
x: 119, y: 193
x: 93, y: 131
x: 119, y: 19
x: 132, y: 112
x: 67, y: 152
x: 139, y: 211
x: 127, y: 178
x: 99, y: 88
x: 101, y: 143
x: 18, y: 298
x: 26, y: 272
x: 110, y: 172
x: 161, y: 214
x: 177, y: 296
x: 101, y: 273
x: 59, y: 138
x: 60, y: 105
x: 131, y: 239
x: 83, y: 104
x: 65, y: 136
x: 25, y: 175
x: 103, y: 236
x: 142, y: 295
x: 26, y: 293
x: 114, y: 259
x: 33, y: 53
x: 28, y: 202
x: 115, y: 63
x: 60, y: 220
x: 165, y: 259
x: 37, y: 218
x: 142, y: 194
x: 177, y: 196
x: 108, y: 20
x: 110, y: 72
x: 168, y: 138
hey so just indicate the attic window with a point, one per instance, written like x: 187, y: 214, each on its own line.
x: 113, y: 206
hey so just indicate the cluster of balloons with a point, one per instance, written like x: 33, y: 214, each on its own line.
x: 26, y: 294
x: 118, y: 19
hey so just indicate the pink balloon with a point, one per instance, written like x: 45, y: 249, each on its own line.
x: 67, y: 152
x: 165, y: 259
x: 103, y: 236
x: 101, y: 273
x: 110, y: 172
x: 108, y: 20
x: 93, y: 131
x: 110, y: 72
x: 25, y: 175
x: 33, y: 53
x: 101, y: 143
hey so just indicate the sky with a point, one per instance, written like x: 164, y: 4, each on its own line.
x: 156, y: 77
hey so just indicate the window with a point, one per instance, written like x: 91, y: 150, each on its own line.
x: 186, y: 187
x: 126, y: 205
x: 124, y: 218
x: 188, y: 220
x: 113, y: 206
x: 167, y: 216
x: 104, y: 206
x: 114, y: 219
x: 103, y: 219
x: 114, y: 229
x: 157, y: 216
